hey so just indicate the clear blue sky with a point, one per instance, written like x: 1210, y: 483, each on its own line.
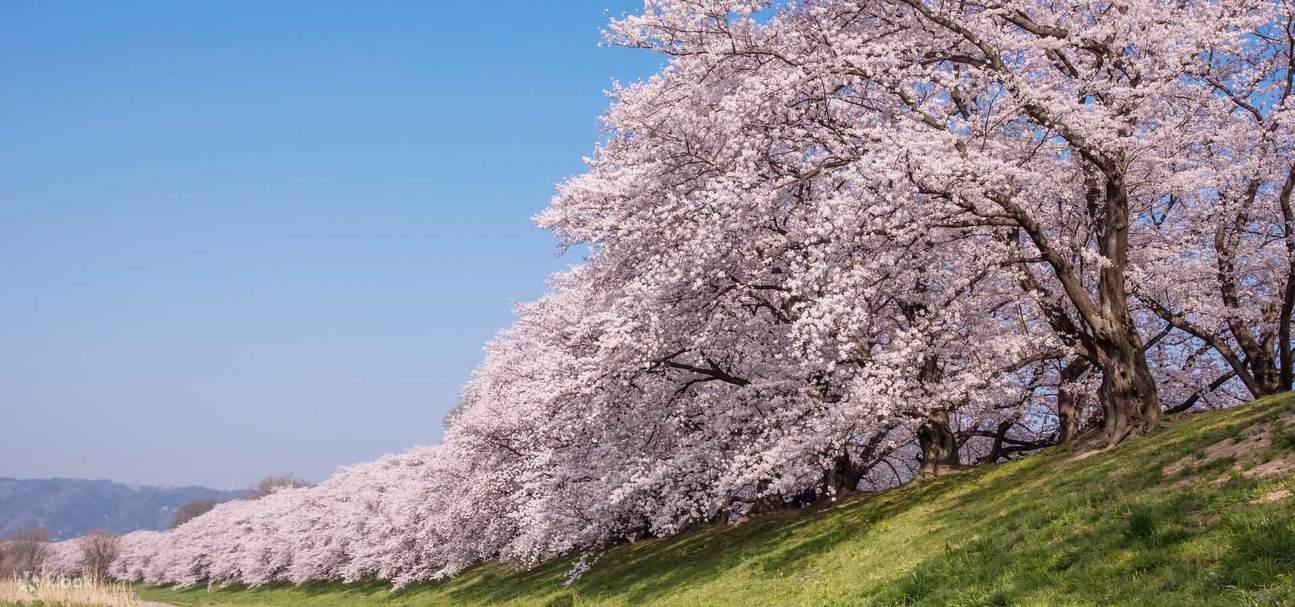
x: 240, y: 239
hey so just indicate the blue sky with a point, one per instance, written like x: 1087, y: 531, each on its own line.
x: 240, y: 239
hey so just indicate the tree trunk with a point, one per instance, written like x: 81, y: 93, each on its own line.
x: 1287, y: 366
x: 1128, y: 391
x: 1070, y: 403
x: 844, y: 476
x: 1000, y: 434
x: 939, y: 446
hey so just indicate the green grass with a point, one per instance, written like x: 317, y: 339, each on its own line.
x: 1053, y: 529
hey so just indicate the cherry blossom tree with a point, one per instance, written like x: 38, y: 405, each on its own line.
x: 1056, y: 125
x: 63, y: 559
x: 838, y: 244
x: 1228, y: 247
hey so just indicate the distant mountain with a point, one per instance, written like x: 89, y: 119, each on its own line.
x: 71, y: 507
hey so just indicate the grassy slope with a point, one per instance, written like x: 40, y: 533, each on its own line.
x: 1052, y: 529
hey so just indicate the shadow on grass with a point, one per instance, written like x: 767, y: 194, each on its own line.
x: 1111, y: 516
x: 1110, y: 520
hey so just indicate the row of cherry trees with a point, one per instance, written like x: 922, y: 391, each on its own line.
x: 839, y: 244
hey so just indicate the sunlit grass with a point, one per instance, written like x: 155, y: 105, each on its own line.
x: 1054, y: 529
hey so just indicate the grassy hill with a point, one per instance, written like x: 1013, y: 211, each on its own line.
x: 1201, y: 513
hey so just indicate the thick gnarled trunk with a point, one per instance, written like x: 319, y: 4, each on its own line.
x: 939, y: 446
x: 1128, y: 390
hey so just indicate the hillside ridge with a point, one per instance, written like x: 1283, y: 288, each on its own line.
x: 1198, y: 513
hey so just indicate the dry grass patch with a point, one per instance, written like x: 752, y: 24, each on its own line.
x: 1271, y: 497
x: 1263, y: 450
x: 70, y: 593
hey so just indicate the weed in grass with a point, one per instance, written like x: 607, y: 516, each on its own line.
x: 1283, y: 440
